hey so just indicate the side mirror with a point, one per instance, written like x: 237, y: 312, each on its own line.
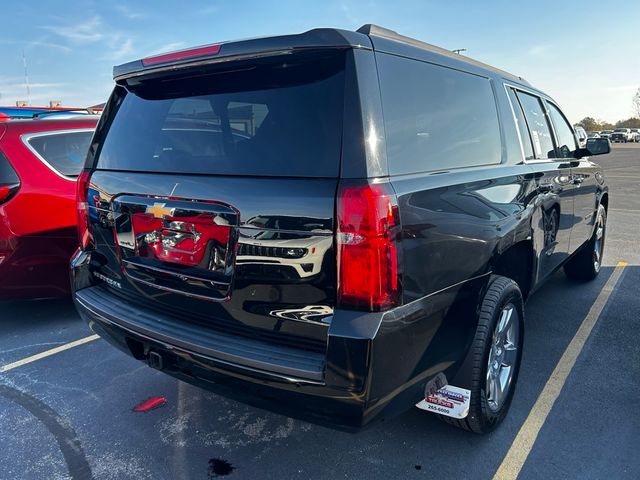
x: 598, y: 146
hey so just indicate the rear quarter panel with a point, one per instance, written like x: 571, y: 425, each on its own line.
x: 37, y: 226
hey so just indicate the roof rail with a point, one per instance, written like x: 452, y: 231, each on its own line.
x: 378, y: 31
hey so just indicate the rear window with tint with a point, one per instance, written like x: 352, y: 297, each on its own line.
x: 282, y: 118
x: 436, y: 118
x: 64, y: 152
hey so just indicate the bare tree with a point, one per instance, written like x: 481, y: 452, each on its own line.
x: 636, y: 103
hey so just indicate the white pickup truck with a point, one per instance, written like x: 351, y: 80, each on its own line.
x: 622, y: 135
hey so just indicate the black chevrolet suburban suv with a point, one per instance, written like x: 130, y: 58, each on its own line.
x: 333, y: 225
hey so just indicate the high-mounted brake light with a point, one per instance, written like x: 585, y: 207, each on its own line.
x: 368, y: 228
x: 182, y: 55
x: 84, y: 229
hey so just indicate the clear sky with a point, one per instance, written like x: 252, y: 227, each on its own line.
x: 585, y: 54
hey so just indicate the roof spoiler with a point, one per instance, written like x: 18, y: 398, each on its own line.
x: 244, y: 49
x: 255, y: 48
x: 372, y: 29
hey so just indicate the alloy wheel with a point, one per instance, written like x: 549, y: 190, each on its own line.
x: 503, y: 356
x: 598, y: 244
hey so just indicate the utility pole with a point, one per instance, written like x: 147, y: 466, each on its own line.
x: 26, y: 77
x: 458, y: 50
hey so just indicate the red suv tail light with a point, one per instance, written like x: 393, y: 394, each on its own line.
x: 82, y: 205
x: 368, y: 227
x: 7, y: 191
x: 9, y: 180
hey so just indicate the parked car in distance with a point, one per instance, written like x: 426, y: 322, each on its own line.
x: 40, y: 160
x: 606, y: 134
x: 593, y: 134
x: 194, y: 246
x: 635, y: 134
x: 582, y: 136
x: 622, y: 135
x: 33, y: 112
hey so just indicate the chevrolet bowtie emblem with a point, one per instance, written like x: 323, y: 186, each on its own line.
x: 158, y: 210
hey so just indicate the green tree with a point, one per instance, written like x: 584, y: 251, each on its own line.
x: 605, y: 125
x: 590, y: 124
x: 632, y: 122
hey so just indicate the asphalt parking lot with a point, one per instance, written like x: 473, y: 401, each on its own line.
x: 69, y: 415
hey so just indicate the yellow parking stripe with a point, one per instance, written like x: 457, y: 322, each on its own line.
x: 523, y: 443
x: 47, y: 353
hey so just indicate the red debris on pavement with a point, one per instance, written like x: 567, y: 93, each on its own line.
x: 150, y: 404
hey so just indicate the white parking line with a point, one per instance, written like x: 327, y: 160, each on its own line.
x: 626, y: 210
x: 47, y: 353
x: 526, y: 437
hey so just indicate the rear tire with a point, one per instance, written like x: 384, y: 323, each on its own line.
x: 496, y: 352
x: 586, y: 264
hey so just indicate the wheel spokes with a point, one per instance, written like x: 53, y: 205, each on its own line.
x: 494, y: 388
x: 504, y: 325
x: 599, y: 231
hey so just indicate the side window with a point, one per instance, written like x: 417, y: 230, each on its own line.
x: 521, y: 123
x: 566, y: 141
x: 538, y: 126
x: 64, y: 152
x: 436, y: 118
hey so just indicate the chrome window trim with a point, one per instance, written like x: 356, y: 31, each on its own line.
x: 542, y: 98
x: 26, y: 137
x: 515, y: 121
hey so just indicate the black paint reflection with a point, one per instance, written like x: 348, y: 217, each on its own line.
x: 279, y: 247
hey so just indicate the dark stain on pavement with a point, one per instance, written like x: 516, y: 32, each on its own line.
x: 219, y: 468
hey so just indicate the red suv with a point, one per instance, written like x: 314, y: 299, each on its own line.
x: 40, y: 160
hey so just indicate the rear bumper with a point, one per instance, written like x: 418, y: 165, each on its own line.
x: 376, y: 364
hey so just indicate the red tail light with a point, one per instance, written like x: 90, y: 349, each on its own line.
x: 82, y: 205
x: 7, y: 191
x: 9, y: 180
x: 368, y: 226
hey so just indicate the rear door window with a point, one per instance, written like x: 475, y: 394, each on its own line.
x: 538, y: 125
x: 63, y: 152
x: 283, y: 118
x: 436, y: 118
